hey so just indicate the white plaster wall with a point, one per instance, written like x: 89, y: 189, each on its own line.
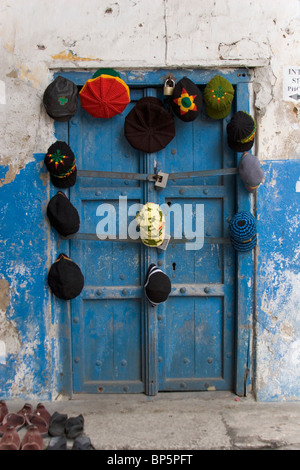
x: 37, y: 37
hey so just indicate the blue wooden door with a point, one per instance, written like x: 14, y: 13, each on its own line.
x: 119, y: 342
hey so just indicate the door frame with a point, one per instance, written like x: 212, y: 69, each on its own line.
x: 241, y: 79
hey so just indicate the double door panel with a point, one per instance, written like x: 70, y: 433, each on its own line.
x: 120, y: 344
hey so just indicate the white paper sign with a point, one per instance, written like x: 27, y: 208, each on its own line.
x: 291, y: 83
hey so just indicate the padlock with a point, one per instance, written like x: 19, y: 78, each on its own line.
x: 169, y: 86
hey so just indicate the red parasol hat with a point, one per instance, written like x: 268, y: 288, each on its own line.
x: 104, y: 96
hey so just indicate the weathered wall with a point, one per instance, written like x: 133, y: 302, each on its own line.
x: 37, y: 37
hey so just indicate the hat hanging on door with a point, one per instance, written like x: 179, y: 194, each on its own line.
x: 250, y: 172
x: 148, y: 126
x: 241, y: 131
x: 186, y: 100
x: 60, y: 162
x: 105, y: 95
x: 218, y: 96
x: 65, y: 278
x: 62, y: 215
x: 243, y: 231
x: 157, y: 285
x: 61, y: 99
x: 151, y: 222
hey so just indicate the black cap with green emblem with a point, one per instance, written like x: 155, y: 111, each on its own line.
x: 61, y: 99
x: 60, y: 162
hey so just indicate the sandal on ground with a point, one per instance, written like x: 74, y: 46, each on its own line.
x: 12, y: 420
x: 57, y: 443
x: 74, y: 427
x: 32, y: 439
x: 41, y: 411
x: 57, y: 424
x: 40, y: 418
x: 26, y: 411
x: 40, y: 423
x: 10, y: 439
x: 82, y: 443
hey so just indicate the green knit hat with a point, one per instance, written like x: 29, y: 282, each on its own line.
x: 218, y: 96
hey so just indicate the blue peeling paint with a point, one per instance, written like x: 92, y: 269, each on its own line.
x: 23, y: 263
x: 278, y: 283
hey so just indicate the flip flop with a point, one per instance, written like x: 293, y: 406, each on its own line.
x: 32, y: 439
x: 10, y: 439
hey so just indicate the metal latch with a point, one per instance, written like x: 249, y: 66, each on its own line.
x: 161, y: 179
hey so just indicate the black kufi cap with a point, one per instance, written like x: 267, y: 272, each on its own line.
x: 62, y: 215
x: 65, y: 278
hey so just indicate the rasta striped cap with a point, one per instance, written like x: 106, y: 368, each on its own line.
x: 60, y: 162
x: 105, y: 95
x: 241, y: 131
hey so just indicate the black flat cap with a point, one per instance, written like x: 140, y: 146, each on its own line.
x: 148, y: 126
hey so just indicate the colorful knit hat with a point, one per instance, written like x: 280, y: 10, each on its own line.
x: 157, y: 285
x: 186, y: 100
x: 60, y: 162
x: 148, y: 126
x: 218, y: 96
x: 241, y: 131
x: 65, y: 278
x: 104, y: 96
x: 62, y: 215
x: 61, y: 99
x: 151, y: 222
x: 243, y: 231
x: 250, y: 172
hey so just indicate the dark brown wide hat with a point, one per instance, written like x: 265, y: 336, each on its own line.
x: 148, y: 126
